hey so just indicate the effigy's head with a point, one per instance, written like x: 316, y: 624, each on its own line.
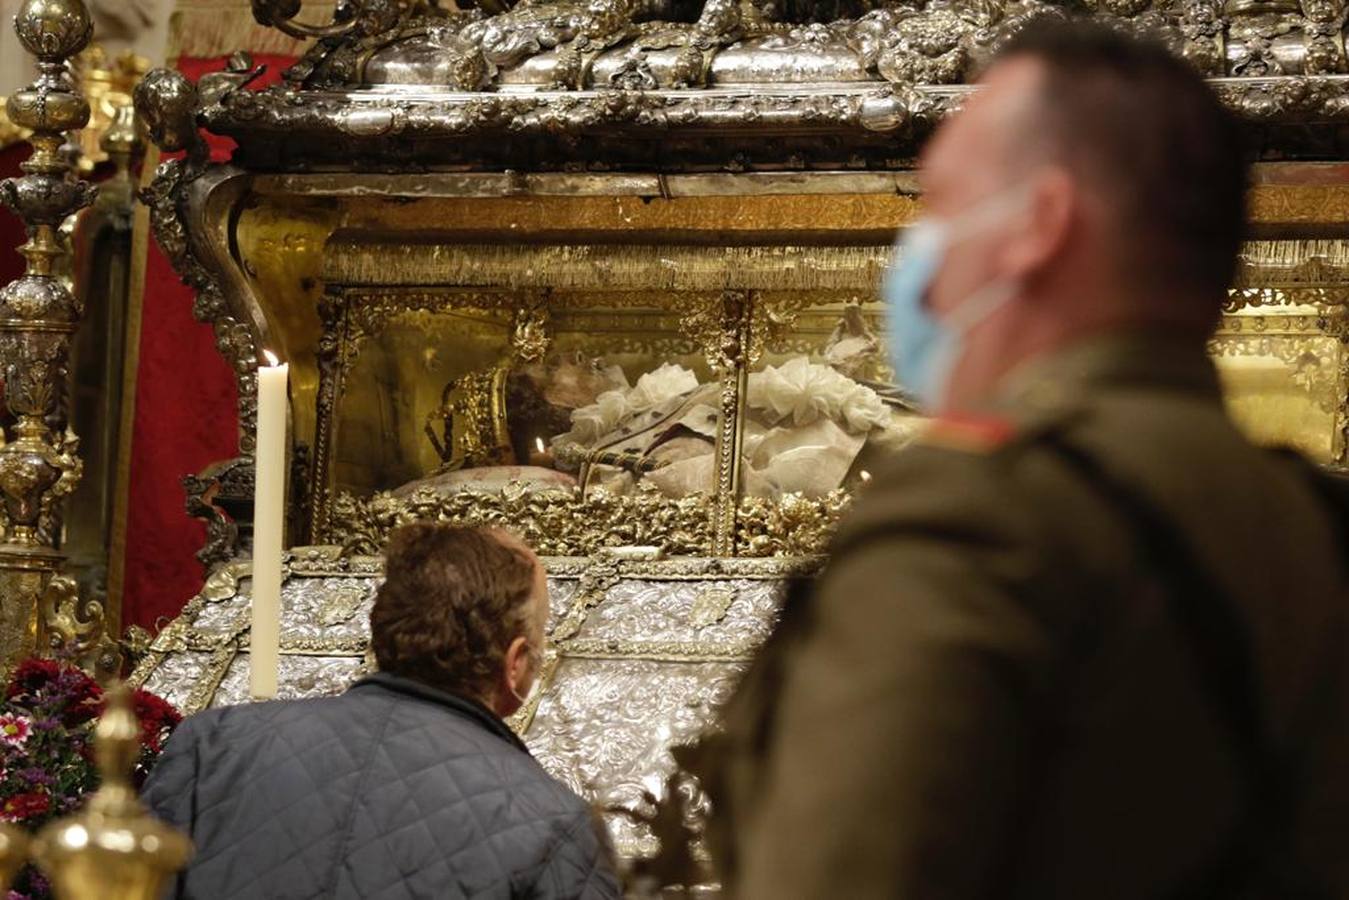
x: 572, y: 379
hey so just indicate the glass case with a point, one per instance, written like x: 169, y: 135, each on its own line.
x: 452, y: 390
x: 693, y: 398
x: 705, y: 400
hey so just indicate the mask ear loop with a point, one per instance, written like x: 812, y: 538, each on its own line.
x: 980, y: 306
x: 985, y: 301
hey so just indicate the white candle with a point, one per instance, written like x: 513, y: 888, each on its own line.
x: 269, y: 503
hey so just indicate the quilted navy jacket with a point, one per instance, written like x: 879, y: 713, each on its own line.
x: 391, y: 790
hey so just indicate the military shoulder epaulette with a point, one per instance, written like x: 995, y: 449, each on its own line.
x: 969, y: 434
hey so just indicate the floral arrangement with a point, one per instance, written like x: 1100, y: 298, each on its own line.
x: 46, y: 748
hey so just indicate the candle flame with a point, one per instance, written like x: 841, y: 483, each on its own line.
x: 538, y: 442
x: 271, y: 358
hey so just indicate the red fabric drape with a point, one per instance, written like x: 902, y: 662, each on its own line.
x: 11, y: 228
x: 185, y: 419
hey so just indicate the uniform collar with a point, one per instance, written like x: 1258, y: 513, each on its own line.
x: 1140, y: 360
x: 463, y: 706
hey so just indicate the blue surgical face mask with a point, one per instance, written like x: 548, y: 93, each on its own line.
x: 924, y: 348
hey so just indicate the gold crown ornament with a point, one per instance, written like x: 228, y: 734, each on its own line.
x: 472, y: 420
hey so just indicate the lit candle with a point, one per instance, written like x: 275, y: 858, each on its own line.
x: 269, y: 502
x: 540, y: 455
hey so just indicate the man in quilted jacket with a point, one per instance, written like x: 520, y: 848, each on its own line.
x: 409, y: 785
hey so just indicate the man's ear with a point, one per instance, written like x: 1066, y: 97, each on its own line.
x: 1052, y: 211
x: 514, y: 676
x: 516, y: 669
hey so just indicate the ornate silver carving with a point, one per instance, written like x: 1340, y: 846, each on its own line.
x: 167, y: 102
x: 710, y: 606
x: 578, y: 44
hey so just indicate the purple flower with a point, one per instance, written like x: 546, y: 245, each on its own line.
x: 36, y: 777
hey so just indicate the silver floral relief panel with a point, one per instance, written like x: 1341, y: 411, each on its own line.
x: 605, y: 727
x: 640, y: 663
x: 738, y: 612
x: 312, y: 609
x: 301, y: 678
x: 176, y: 674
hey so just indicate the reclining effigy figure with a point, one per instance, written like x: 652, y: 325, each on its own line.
x: 804, y: 426
x: 567, y: 420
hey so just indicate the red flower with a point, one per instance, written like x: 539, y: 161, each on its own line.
x: 31, y: 676
x: 22, y: 807
x: 83, y: 697
x: 157, y: 717
x: 65, y: 691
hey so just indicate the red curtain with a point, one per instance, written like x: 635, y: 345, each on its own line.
x: 11, y: 228
x: 185, y: 419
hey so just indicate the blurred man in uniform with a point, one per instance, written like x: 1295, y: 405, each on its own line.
x: 1083, y: 640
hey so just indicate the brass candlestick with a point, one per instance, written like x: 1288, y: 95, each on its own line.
x: 113, y: 849
x: 38, y: 316
x: 107, y: 85
x: 121, y: 143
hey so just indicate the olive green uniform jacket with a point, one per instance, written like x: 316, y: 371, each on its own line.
x: 987, y: 693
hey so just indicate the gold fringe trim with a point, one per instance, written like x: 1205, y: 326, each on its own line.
x: 1290, y: 263
x: 1293, y: 263
x: 607, y: 267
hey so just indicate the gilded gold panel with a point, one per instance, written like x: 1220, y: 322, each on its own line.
x: 1284, y: 371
